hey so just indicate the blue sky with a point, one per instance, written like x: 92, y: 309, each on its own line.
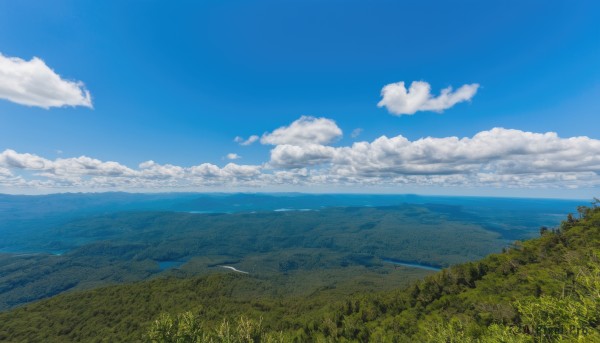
x: 176, y: 82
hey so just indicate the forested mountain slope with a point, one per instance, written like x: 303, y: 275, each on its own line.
x: 541, y: 290
x: 126, y: 247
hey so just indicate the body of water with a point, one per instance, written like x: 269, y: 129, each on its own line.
x: 412, y: 265
x: 21, y: 251
x: 164, y: 265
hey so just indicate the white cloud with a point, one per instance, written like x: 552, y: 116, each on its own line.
x: 206, y: 170
x: 233, y: 156
x: 90, y: 173
x: 242, y: 141
x: 76, y: 166
x: 5, y: 172
x: 500, y: 158
x: 33, y: 83
x: 306, y: 130
x: 398, y: 100
x: 294, y: 156
x: 230, y: 174
x: 153, y: 170
x: 11, y: 159
x: 84, y: 165
x: 356, y: 132
x: 513, y: 156
x: 237, y: 171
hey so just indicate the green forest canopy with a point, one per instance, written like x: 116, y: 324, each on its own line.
x: 542, y: 290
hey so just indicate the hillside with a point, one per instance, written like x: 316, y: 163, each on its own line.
x: 133, y: 246
x: 543, y: 289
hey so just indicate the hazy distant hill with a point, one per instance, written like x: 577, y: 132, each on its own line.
x: 23, y: 216
x: 131, y: 246
x: 61, y: 242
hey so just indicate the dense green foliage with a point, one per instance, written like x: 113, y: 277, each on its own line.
x: 541, y: 290
x: 125, y: 247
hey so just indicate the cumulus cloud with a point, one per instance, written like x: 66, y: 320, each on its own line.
x: 90, y: 173
x: 12, y: 159
x: 233, y: 156
x: 294, y: 156
x: 306, y: 130
x: 153, y: 170
x: 398, y: 100
x: 33, y: 83
x: 82, y: 165
x: 5, y: 172
x: 494, y: 158
x: 499, y: 155
x: 242, y: 141
x: 231, y: 174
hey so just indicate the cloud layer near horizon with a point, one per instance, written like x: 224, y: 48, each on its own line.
x: 499, y: 157
x: 400, y: 101
x: 33, y: 83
